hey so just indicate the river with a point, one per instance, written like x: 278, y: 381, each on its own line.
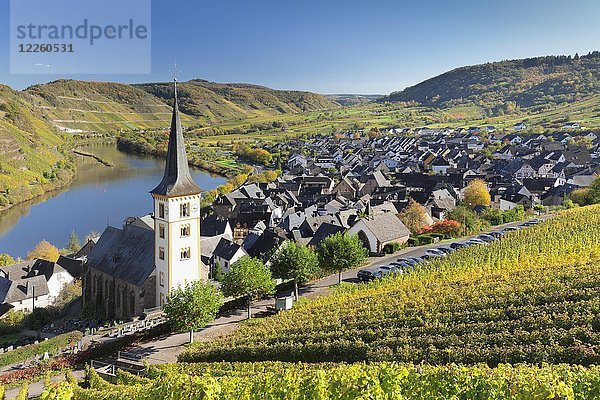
x: 97, y: 196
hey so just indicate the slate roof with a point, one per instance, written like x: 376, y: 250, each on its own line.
x: 127, y: 254
x: 386, y: 227
x: 226, y: 249
x: 177, y: 180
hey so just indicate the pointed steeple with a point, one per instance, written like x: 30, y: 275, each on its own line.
x: 177, y: 180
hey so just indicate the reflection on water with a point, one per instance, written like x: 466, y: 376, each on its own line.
x: 98, y: 196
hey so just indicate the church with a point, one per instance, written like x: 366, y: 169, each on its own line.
x: 132, y: 269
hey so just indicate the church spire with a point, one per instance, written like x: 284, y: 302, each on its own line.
x: 177, y: 180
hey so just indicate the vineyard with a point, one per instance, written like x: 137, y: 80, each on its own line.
x: 342, y: 381
x: 518, y: 319
x: 533, y: 297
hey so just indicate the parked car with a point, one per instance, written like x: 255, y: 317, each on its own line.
x: 387, y: 269
x: 497, y: 234
x: 509, y: 229
x: 433, y: 253
x: 486, y: 238
x: 446, y: 250
x: 458, y: 245
x: 476, y: 241
x: 411, y: 261
x: 401, y: 265
x: 365, y: 275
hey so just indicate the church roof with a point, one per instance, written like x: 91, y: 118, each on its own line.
x: 127, y: 253
x: 177, y: 180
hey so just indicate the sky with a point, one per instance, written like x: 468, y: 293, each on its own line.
x: 341, y: 46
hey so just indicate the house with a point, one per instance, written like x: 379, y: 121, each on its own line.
x: 225, y: 254
x: 379, y: 230
x: 519, y: 126
x: 32, y: 284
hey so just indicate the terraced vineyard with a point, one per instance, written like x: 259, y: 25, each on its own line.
x: 533, y: 297
x: 517, y: 319
x: 343, y: 381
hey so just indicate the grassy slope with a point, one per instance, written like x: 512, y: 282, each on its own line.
x: 532, y: 297
x: 28, y: 143
x: 218, y: 102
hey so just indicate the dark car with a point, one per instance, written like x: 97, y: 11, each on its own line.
x: 365, y: 275
x: 409, y: 260
x: 497, y: 234
x: 446, y: 250
x: 510, y: 229
x: 458, y: 245
x: 487, y: 238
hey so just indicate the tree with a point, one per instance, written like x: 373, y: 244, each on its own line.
x: 414, y: 216
x: 477, y: 194
x: 44, y: 251
x: 74, y: 245
x: 6, y: 259
x: 580, y: 196
x: 594, y: 192
x: 340, y: 252
x: 192, y: 306
x: 250, y: 278
x: 295, y: 261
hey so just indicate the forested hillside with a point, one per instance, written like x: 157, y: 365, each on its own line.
x: 501, y: 87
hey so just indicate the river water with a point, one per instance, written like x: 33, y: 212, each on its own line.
x: 97, y: 196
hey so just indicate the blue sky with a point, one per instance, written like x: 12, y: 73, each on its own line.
x: 342, y: 46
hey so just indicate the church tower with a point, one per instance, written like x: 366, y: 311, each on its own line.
x: 176, y: 218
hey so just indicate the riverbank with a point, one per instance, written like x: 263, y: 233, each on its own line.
x: 133, y: 146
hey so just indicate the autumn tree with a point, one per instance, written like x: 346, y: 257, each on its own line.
x: 414, y: 216
x: 45, y: 251
x: 192, y: 306
x: 295, y: 261
x: 340, y: 252
x: 477, y: 194
x: 5, y: 260
x: 74, y: 245
x: 250, y: 278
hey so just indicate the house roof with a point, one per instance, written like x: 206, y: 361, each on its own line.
x: 226, y: 249
x: 386, y: 227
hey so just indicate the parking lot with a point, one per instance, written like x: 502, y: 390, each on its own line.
x: 421, y: 251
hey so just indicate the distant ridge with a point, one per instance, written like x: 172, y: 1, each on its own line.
x: 528, y: 83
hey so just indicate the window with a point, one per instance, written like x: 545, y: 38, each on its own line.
x: 161, y: 210
x: 161, y: 253
x: 185, y: 230
x: 162, y: 298
x: 161, y: 278
x: 185, y: 253
x: 184, y: 210
x: 161, y: 231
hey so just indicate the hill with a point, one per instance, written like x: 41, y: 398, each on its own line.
x: 33, y: 158
x: 84, y: 106
x: 501, y: 87
x: 75, y: 106
x: 219, y: 102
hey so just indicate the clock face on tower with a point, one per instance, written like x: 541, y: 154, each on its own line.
x: 195, y: 208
